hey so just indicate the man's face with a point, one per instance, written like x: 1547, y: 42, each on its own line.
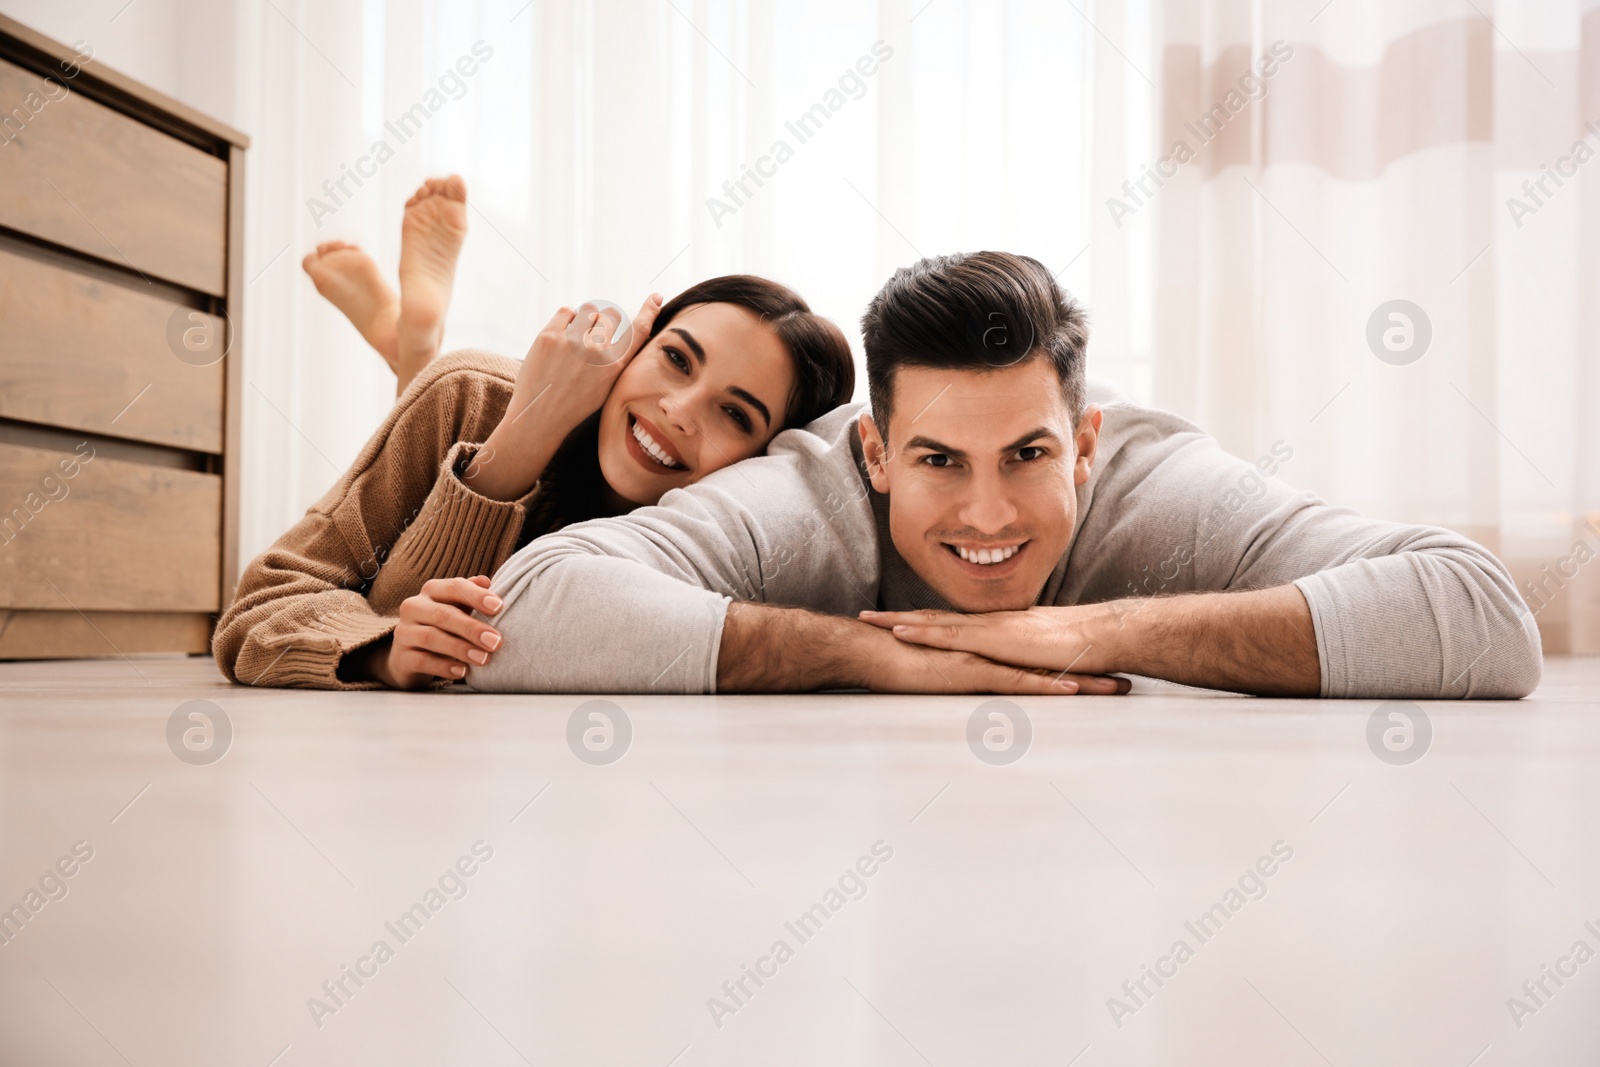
x: 981, y: 470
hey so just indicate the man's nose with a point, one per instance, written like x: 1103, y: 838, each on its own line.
x: 988, y: 507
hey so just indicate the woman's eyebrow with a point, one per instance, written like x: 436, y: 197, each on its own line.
x: 694, y: 346
x: 753, y: 402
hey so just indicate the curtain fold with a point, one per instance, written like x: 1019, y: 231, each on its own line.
x: 1383, y: 157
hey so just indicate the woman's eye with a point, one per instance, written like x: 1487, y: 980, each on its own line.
x: 738, y: 416
x: 677, y: 359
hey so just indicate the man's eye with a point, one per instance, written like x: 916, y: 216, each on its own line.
x: 677, y: 359
x: 936, y: 459
x: 737, y: 414
x: 1030, y: 453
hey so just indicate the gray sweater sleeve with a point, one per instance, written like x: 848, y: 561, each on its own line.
x: 635, y: 604
x: 1399, y: 611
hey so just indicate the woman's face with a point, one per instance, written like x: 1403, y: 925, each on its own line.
x: 710, y: 389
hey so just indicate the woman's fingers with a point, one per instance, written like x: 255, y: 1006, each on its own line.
x: 560, y: 321
x: 416, y: 661
x: 644, y: 322
x: 446, y: 643
x: 596, y: 324
x: 606, y: 325
x: 449, y: 619
x: 473, y: 593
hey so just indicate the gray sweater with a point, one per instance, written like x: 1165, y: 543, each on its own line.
x: 636, y: 603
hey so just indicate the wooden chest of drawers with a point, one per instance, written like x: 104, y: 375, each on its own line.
x: 121, y: 229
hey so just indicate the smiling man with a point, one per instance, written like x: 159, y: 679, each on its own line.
x: 995, y: 523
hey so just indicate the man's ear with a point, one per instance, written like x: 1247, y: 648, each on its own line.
x: 875, y: 452
x: 1087, y: 441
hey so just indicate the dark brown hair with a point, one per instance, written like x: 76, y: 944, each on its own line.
x: 973, y: 311
x: 824, y: 378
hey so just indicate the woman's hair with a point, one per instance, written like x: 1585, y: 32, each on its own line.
x: 824, y: 372
x: 824, y: 378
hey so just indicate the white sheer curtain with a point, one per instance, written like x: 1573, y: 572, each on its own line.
x: 595, y: 137
x: 605, y: 145
x: 1386, y: 160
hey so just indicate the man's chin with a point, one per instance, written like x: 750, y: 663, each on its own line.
x: 1009, y: 596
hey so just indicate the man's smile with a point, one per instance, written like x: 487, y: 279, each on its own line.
x: 998, y: 560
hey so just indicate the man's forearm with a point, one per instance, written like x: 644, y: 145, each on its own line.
x: 1261, y: 642
x: 766, y: 649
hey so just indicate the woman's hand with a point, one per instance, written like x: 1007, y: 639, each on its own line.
x: 565, y: 378
x: 437, y: 638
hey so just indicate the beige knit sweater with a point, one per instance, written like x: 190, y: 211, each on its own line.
x: 397, y: 518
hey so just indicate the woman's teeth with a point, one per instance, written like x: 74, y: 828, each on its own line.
x: 986, y: 555
x: 653, y: 450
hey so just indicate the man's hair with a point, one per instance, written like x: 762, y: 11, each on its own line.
x: 973, y: 311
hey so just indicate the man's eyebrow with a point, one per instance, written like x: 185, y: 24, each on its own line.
x: 931, y: 445
x: 934, y: 446
x: 750, y: 399
x: 694, y: 346
x: 1031, y: 436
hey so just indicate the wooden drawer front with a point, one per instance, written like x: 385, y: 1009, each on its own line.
x: 70, y: 635
x: 76, y: 352
x: 106, y: 535
x: 79, y: 174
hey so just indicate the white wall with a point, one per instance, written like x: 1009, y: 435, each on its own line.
x: 184, y: 48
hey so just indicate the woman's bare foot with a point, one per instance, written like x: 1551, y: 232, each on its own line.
x: 430, y: 240
x: 349, y: 279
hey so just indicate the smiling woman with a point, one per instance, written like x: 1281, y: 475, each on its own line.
x: 592, y: 423
x: 709, y: 387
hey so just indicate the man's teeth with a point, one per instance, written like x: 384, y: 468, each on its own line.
x: 653, y: 450
x: 986, y: 555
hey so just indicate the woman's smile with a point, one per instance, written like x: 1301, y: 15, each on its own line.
x: 650, y: 448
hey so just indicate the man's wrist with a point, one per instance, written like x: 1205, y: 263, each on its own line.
x: 1259, y: 641
x: 774, y: 650
x: 1111, y: 637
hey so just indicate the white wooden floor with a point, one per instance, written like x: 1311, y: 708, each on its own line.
x: 608, y: 903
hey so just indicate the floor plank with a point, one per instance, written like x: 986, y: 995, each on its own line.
x: 608, y: 902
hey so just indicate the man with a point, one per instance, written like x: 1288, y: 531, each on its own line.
x: 994, y: 524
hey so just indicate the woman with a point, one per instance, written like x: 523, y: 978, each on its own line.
x: 376, y: 584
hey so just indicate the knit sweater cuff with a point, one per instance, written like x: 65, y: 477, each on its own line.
x: 310, y: 658
x: 457, y: 533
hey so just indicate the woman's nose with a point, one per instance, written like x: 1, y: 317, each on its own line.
x: 674, y: 409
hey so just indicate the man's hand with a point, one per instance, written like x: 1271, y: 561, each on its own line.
x: 1042, y: 638
x: 1262, y: 641
x: 935, y: 670
x: 437, y: 638
x: 771, y: 649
